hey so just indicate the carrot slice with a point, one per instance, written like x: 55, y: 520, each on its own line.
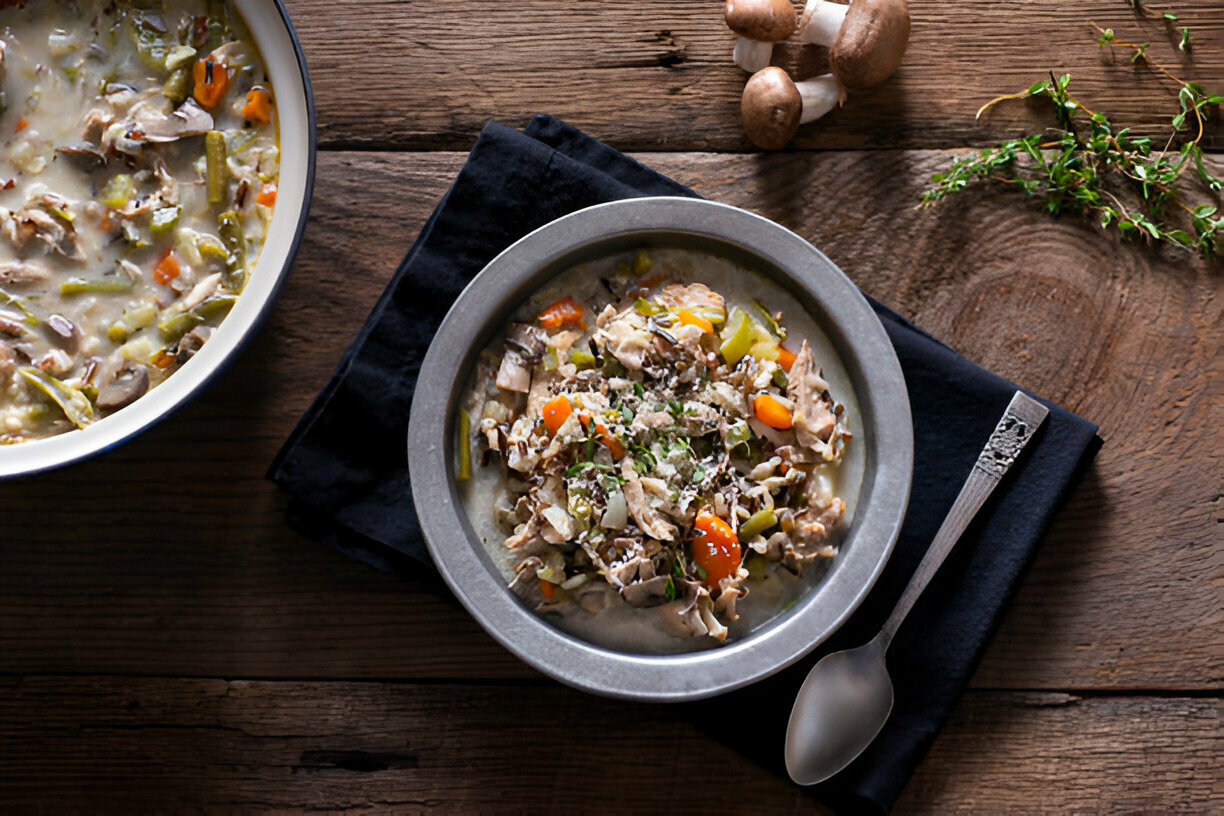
x: 771, y: 412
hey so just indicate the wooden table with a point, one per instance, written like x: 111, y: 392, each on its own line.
x: 166, y: 643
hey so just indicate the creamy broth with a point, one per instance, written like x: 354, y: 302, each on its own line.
x: 772, y: 585
x: 139, y: 176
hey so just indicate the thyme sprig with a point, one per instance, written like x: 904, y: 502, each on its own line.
x: 1086, y: 168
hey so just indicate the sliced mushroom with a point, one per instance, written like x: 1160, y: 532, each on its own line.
x: 129, y: 385
x: 64, y: 333
x: 16, y: 274
x: 189, y: 120
x: 648, y: 593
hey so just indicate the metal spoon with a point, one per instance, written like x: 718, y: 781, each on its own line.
x: 847, y: 697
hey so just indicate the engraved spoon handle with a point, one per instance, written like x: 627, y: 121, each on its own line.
x: 1020, y: 421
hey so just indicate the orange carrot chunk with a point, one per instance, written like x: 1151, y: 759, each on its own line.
x: 715, y: 547
x: 786, y: 358
x: 555, y: 412
x: 548, y: 589
x: 258, y: 107
x: 771, y: 412
x: 211, y: 81
x: 167, y: 268
x: 267, y: 194
x: 564, y: 312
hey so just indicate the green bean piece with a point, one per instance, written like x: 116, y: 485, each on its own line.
x: 218, y: 171
x: 81, y: 286
x: 176, y: 326
x: 464, y: 446
x: 229, y: 227
x: 75, y: 405
x: 756, y: 524
x: 178, y: 86
x: 219, y: 31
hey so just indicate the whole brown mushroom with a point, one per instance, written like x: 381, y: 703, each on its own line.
x: 759, y: 24
x: 773, y: 106
x: 866, y: 39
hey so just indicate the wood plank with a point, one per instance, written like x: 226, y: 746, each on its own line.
x: 659, y: 76
x: 131, y: 564
x: 102, y: 744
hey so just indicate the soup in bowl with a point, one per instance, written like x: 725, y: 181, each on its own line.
x: 157, y: 166
x: 660, y: 448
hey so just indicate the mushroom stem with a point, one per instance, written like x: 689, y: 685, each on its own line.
x: 820, y: 94
x: 821, y: 22
x: 752, y: 55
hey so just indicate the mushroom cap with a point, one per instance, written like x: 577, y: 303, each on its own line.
x: 761, y: 20
x: 871, y: 43
x: 770, y: 108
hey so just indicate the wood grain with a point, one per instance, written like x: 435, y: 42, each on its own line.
x: 658, y: 76
x: 132, y: 563
x: 99, y: 744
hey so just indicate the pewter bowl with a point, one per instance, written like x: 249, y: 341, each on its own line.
x: 882, y: 427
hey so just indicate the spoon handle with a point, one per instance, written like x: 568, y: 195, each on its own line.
x: 1020, y: 421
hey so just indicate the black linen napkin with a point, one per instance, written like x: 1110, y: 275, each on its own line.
x: 345, y: 467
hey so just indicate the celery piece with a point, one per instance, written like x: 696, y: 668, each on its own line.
x: 147, y: 32
x: 647, y: 308
x: 217, y: 169
x: 756, y: 524
x: 165, y: 219
x: 775, y: 328
x: 117, y: 191
x: 642, y: 263
x: 736, y: 336
x: 75, y: 405
x: 18, y: 303
x: 81, y: 286
x: 550, y: 359
x: 178, y: 57
x: 582, y: 358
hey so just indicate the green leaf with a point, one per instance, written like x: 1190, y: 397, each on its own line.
x: 1184, y: 45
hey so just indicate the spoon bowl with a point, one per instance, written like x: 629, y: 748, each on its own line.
x: 843, y: 704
